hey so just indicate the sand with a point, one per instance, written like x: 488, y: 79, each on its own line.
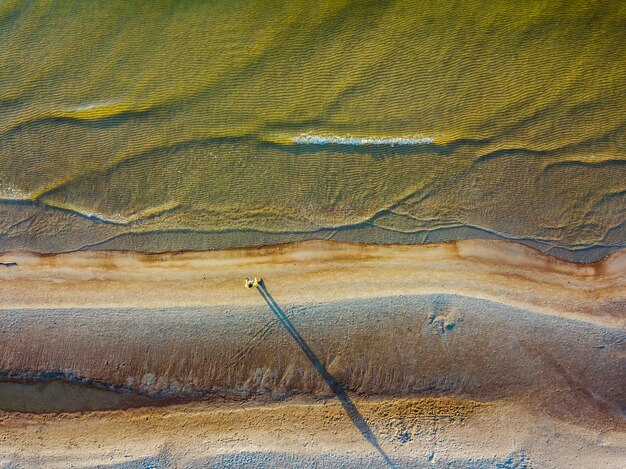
x: 317, y: 272
x: 413, y: 433
x: 473, y: 354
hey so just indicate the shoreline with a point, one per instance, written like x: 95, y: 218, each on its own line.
x: 91, y: 234
x: 267, y: 248
x: 320, y: 271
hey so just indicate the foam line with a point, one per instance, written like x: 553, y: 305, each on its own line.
x: 339, y: 140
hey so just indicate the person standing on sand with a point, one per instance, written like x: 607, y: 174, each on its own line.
x: 252, y: 283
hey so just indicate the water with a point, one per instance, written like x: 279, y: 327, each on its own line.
x: 60, y: 396
x: 200, y: 125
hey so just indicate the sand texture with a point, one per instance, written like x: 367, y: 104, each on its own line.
x: 433, y: 345
x: 433, y: 193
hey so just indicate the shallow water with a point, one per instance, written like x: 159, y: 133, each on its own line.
x: 61, y: 396
x: 199, y: 125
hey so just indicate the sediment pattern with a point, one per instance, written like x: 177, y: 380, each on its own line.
x: 477, y: 319
x: 430, y: 345
x: 475, y: 354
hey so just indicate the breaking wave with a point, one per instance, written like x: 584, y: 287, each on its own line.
x: 339, y: 140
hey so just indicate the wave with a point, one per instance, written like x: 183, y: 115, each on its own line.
x: 309, y: 139
x: 120, y: 219
x: 152, y: 230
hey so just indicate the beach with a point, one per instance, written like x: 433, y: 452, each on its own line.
x: 427, y: 201
x: 494, y: 336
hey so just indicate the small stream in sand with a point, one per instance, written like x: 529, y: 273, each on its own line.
x: 61, y: 396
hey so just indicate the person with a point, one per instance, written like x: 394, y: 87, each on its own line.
x: 251, y: 283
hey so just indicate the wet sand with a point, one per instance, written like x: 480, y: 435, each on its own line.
x: 520, y: 355
x: 317, y: 272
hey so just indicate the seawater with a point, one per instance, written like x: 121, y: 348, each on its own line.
x: 197, y: 125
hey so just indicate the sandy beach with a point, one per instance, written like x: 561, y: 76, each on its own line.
x: 429, y: 197
x: 413, y: 433
x: 318, y: 272
x: 473, y: 338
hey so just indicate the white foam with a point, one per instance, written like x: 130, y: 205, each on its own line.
x: 124, y: 220
x: 96, y: 216
x: 309, y: 139
x: 87, y: 107
x: 9, y: 192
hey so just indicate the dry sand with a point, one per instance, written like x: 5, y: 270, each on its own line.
x: 423, y: 432
x: 472, y: 354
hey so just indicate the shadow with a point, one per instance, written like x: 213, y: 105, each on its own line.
x: 337, y: 389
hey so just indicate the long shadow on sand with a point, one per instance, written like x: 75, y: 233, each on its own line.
x: 336, y: 388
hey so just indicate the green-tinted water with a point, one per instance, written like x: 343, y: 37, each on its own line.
x: 171, y: 125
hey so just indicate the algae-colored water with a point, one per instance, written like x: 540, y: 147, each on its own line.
x: 197, y: 125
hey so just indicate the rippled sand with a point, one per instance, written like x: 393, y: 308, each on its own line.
x: 206, y: 125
